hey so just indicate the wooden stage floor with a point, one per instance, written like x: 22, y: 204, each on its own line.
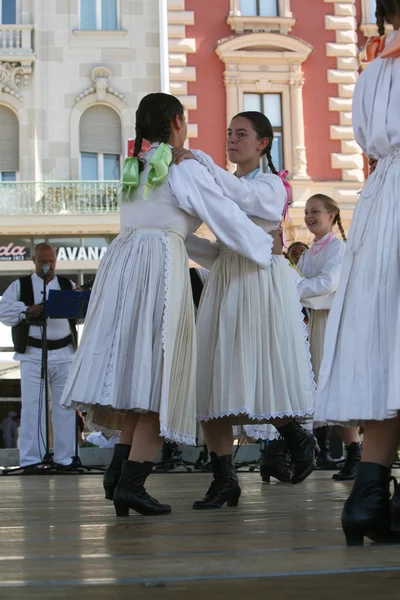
x: 59, y: 539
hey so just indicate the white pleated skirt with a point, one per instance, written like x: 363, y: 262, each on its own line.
x: 359, y: 378
x: 253, y: 357
x: 138, y: 349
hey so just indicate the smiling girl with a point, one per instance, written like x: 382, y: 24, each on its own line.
x: 321, y: 265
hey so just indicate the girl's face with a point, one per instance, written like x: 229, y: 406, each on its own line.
x: 242, y: 143
x: 296, y: 252
x: 317, y: 218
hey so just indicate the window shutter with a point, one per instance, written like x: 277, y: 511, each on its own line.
x: 9, y: 140
x: 100, y: 130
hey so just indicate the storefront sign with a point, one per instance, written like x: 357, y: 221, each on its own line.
x: 81, y: 253
x: 12, y: 252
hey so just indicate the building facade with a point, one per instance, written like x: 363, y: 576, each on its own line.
x: 72, y: 73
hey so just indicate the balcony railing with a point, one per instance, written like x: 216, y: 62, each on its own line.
x: 16, y: 39
x: 58, y: 197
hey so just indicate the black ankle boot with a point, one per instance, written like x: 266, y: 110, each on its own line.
x: 395, y: 509
x: 324, y: 458
x: 131, y: 493
x: 348, y: 471
x: 225, y: 486
x: 113, y: 473
x: 367, y: 510
x: 275, y: 463
x: 301, y: 444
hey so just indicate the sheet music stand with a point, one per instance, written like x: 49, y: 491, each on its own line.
x: 68, y: 304
x: 72, y: 304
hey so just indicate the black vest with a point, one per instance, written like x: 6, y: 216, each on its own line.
x: 20, y: 332
x: 197, y: 286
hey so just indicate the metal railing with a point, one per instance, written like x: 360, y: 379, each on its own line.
x: 16, y: 39
x: 58, y: 197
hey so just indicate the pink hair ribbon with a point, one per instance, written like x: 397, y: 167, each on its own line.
x: 288, y: 189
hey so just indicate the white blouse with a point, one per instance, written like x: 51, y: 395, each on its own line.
x: 11, y: 313
x: 321, y: 271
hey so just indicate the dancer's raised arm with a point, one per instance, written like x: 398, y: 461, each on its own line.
x: 197, y: 193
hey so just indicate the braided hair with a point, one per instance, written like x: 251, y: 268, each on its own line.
x: 153, y: 120
x: 385, y: 10
x: 263, y: 128
x: 332, y: 206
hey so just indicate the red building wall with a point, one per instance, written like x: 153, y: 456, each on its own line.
x: 310, y: 27
x: 210, y: 26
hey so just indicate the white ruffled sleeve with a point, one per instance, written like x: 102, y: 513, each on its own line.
x: 326, y: 282
x: 11, y: 308
x: 197, y: 194
x: 264, y: 197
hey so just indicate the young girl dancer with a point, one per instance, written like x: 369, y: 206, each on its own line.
x: 359, y: 377
x: 137, y: 353
x: 253, y: 362
x: 321, y: 265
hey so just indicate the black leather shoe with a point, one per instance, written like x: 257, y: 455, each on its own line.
x: 301, y: 444
x: 366, y: 512
x: 348, y: 471
x: 275, y: 462
x: 130, y: 492
x: 113, y: 473
x: 225, y: 486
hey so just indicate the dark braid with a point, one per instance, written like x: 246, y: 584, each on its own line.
x: 380, y: 15
x: 270, y: 163
x: 262, y: 126
x: 338, y: 221
x: 166, y: 131
x: 153, y: 120
x: 385, y: 11
x: 138, y: 141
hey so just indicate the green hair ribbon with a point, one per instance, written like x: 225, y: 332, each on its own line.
x: 158, y: 173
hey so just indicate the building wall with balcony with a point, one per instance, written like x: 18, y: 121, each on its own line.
x: 72, y: 73
x: 308, y: 57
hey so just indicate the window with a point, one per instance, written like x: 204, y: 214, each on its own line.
x: 100, y: 167
x: 259, y: 8
x: 98, y: 14
x: 271, y: 106
x: 100, y: 144
x: 9, y: 142
x: 8, y: 12
x: 6, y: 176
x: 372, y: 11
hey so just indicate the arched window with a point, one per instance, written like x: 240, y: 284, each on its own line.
x: 9, y: 144
x: 100, y: 144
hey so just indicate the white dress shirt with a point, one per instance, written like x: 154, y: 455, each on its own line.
x: 11, y: 309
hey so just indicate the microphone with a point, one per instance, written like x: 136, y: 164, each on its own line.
x: 46, y: 269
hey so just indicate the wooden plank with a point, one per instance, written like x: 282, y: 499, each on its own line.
x: 60, y: 539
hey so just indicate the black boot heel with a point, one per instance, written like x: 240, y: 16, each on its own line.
x: 234, y: 501
x: 121, y: 509
x: 109, y: 491
x: 275, y: 462
x: 113, y: 473
x: 266, y: 477
x: 353, y: 537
